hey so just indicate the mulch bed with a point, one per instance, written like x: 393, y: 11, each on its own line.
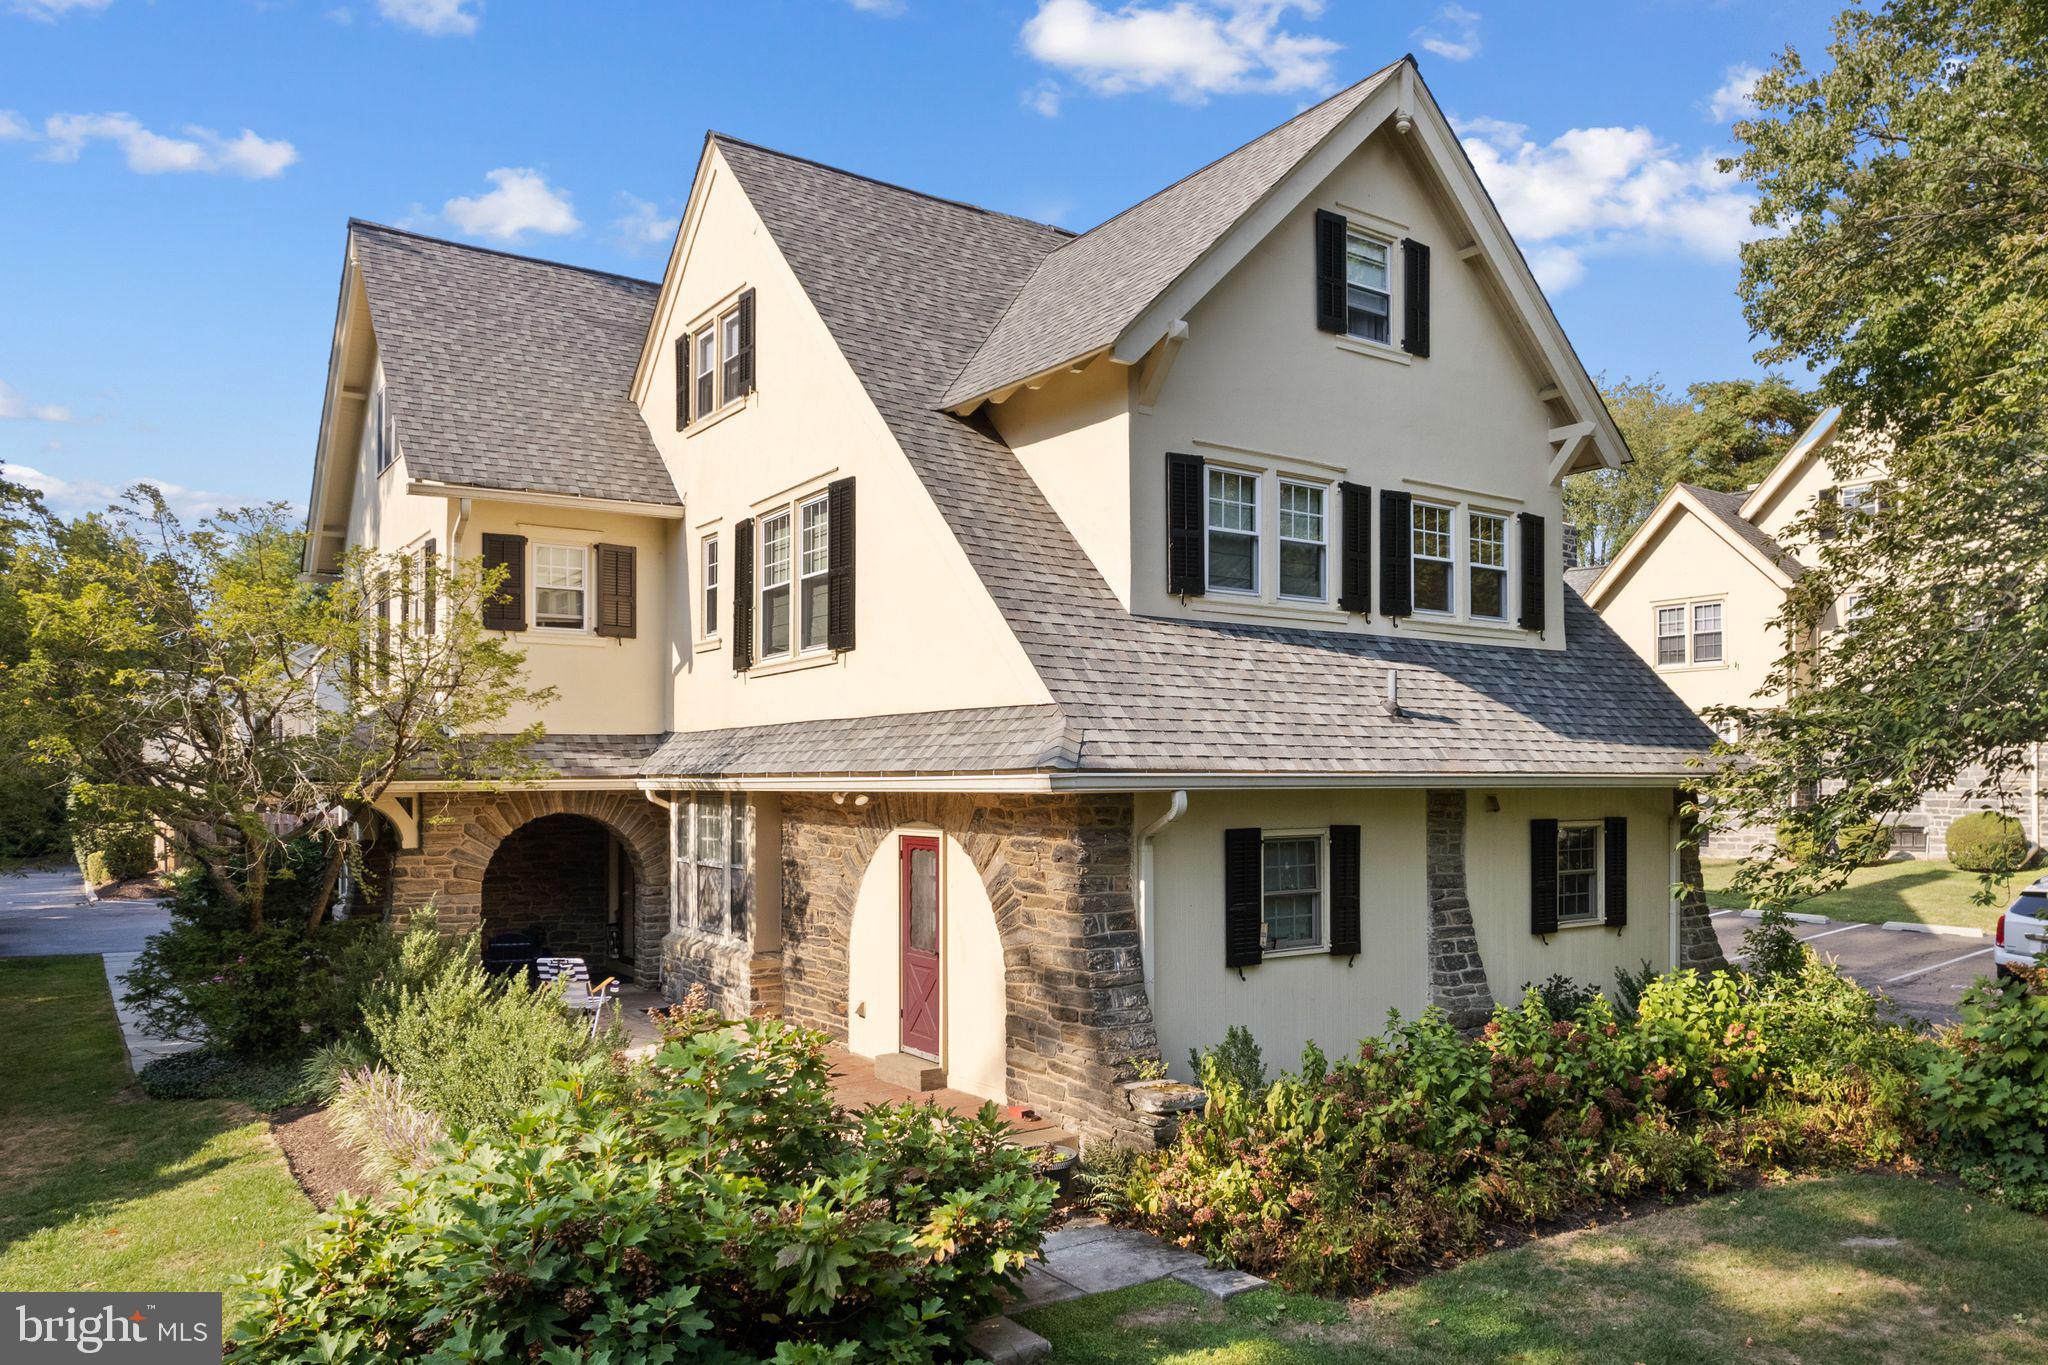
x: 320, y: 1161
x: 134, y: 889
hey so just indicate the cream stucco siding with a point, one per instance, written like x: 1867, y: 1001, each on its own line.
x: 929, y: 637
x: 382, y: 515
x: 1074, y: 439
x: 1258, y: 387
x: 1497, y: 862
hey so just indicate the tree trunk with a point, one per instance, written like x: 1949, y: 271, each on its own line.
x: 337, y: 857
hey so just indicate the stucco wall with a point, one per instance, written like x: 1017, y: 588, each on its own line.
x: 1074, y: 439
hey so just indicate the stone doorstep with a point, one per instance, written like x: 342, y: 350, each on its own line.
x: 1004, y: 1341
x: 906, y: 1071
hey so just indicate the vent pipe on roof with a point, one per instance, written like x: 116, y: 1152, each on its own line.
x: 1393, y: 702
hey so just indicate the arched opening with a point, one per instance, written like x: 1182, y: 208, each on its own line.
x: 569, y: 884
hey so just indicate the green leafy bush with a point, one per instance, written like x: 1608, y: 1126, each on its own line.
x: 1238, y: 1057
x: 1562, y: 996
x: 116, y: 853
x: 1868, y: 844
x: 1988, y: 1092
x: 475, y: 1050
x: 1987, y: 841
x: 721, y: 1209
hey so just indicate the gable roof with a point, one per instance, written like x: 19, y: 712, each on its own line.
x: 908, y: 287
x: 1720, y: 513
x: 1728, y: 507
x: 510, y: 373
x: 1818, y: 433
x: 1083, y: 295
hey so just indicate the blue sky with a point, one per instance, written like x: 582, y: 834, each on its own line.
x: 175, y: 176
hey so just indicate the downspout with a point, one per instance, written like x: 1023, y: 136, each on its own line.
x: 461, y: 520
x: 1176, y: 807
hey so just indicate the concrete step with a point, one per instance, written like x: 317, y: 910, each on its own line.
x: 908, y: 1072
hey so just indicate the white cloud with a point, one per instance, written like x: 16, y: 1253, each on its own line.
x: 1191, y: 49
x: 49, y: 11
x: 436, y: 18
x: 521, y: 202
x: 1735, y: 99
x: 14, y: 406
x: 74, y: 497
x: 13, y: 127
x: 1044, y: 98
x: 887, y: 8
x: 642, y: 227
x: 1454, y: 36
x: 152, y: 153
x: 1592, y: 190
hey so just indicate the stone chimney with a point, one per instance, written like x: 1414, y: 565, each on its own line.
x: 1568, y: 542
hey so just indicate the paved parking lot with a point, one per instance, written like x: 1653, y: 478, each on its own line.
x: 1925, y: 973
x: 48, y: 912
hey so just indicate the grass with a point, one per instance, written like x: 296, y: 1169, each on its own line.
x: 106, y: 1189
x: 1768, y: 1274
x: 1924, y: 891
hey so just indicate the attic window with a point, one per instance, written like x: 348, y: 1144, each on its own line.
x: 1369, y: 298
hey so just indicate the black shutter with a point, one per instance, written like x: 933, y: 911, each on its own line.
x: 1617, y: 871
x: 1243, y: 887
x: 1396, y: 592
x: 1535, y: 572
x: 617, y: 592
x: 1829, y: 520
x: 743, y: 373
x: 1186, y: 569
x: 1414, y: 298
x: 743, y: 596
x: 1543, y: 876
x: 839, y: 564
x: 505, y: 609
x: 1345, y: 939
x: 1331, y: 293
x: 428, y: 588
x: 682, y: 381
x: 1354, y: 567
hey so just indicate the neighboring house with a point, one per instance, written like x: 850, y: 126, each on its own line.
x: 1028, y: 654
x: 1697, y: 591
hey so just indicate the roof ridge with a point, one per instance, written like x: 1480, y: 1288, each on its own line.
x: 354, y: 223
x: 717, y: 136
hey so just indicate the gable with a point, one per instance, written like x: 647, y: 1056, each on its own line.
x: 1714, y: 546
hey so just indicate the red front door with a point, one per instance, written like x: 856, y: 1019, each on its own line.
x: 919, y: 873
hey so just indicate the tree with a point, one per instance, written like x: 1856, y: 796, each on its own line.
x: 190, y: 679
x: 1905, y: 190
x: 31, y: 799
x: 1723, y: 434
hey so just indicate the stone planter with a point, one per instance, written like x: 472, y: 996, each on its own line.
x: 1160, y: 1104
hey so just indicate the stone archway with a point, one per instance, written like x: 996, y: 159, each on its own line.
x: 461, y: 832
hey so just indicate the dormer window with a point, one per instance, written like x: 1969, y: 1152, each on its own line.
x: 1369, y: 299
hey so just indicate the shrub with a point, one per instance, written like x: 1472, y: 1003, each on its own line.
x: 1237, y: 1060
x: 1867, y: 844
x: 1988, y: 1093
x: 475, y: 1050
x: 1987, y: 841
x: 1770, y: 947
x: 376, y: 1116
x: 326, y: 1066
x: 117, y: 853
x: 723, y: 1210
x: 207, y: 1073
x: 1562, y: 996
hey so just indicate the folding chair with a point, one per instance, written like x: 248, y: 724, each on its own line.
x: 577, y: 992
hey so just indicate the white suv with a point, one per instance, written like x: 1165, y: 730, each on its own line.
x: 2023, y: 930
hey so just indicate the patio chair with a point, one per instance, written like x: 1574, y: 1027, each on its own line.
x: 577, y: 992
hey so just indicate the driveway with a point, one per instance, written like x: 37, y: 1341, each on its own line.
x: 44, y: 913
x: 1924, y: 974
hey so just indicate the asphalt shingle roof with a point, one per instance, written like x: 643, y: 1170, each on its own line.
x: 987, y: 739
x: 1082, y: 296
x: 908, y: 286
x: 1728, y: 507
x: 506, y: 372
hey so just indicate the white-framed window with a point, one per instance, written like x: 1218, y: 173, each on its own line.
x: 1728, y: 730
x: 1670, y: 636
x: 729, y: 337
x: 775, y: 569
x: 814, y: 528
x: 1233, y: 531
x: 1292, y: 882
x: 1578, y: 873
x: 1706, y: 632
x: 1853, y: 610
x: 1304, y: 540
x: 1432, y: 550
x: 383, y: 448
x: 561, y: 597
x: 707, y: 371
x: 1857, y: 500
x: 710, y: 588
x: 1369, y: 301
x: 1486, y: 539
x: 711, y: 850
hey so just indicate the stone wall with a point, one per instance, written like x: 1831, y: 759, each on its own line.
x: 461, y: 831
x: 1058, y: 872
x: 1925, y: 826
x: 551, y: 877
x: 1457, y: 976
x: 1698, y: 946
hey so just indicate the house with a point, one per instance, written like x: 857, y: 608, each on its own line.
x: 1697, y: 592
x: 1023, y: 654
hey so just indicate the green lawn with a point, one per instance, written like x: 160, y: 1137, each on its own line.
x: 106, y: 1189
x: 1925, y: 891
x: 1769, y: 1275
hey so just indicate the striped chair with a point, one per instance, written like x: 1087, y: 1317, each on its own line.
x: 577, y: 992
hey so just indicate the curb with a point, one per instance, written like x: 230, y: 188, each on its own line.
x: 1793, y: 915
x: 1906, y: 926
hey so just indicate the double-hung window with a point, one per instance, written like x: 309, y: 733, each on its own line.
x: 1670, y: 635
x: 713, y: 851
x: 707, y: 371
x: 1304, y: 540
x: 729, y: 334
x: 1706, y: 632
x: 1292, y: 890
x: 1432, y: 548
x: 1487, y: 551
x: 775, y: 567
x: 815, y: 561
x: 1233, y: 531
x: 710, y: 626
x: 1368, y: 295
x: 560, y: 592
x: 1858, y: 500
x: 1578, y: 873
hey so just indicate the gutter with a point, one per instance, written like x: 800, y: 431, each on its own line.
x: 1147, y: 912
